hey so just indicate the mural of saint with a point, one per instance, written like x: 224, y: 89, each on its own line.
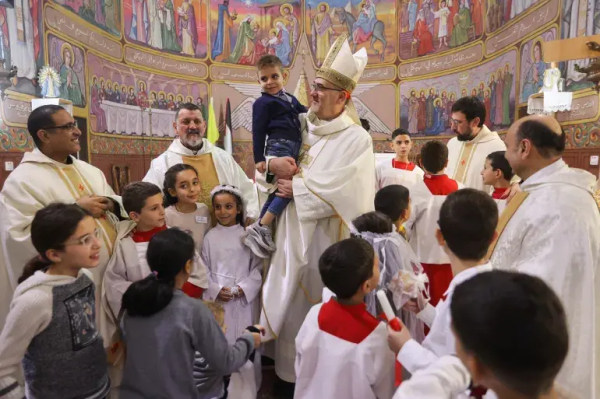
x: 499, y: 98
x: 429, y: 109
x: 412, y: 14
x: 244, y: 44
x: 253, y: 50
x: 462, y: 21
x: 142, y: 95
x: 292, y: 24
x: 443, y: 13
x: 69, y: 81
x: 322, y: 32
x: 153, y: 100
x: 200, y: 104
x: 534, y: 76
x: 131, y: 99
x: 95, y: 109
x: 363, y: 27
x: 154, y: 16
x: 21, y: 39
x: 167, y: 26
x: 188, y: 30
x: 171, y: 102
x: 282, y: 46
x: 221, y: 48
x: 139, y: 21
x: 422, y: 35
x: 487, y: 104
x: 422, y: 113
x: 123, y: 97
x: 508, y: 83
x: 477, y: 16
x: 413, y: 112
x: 492, y: 99
x: 116, y: 98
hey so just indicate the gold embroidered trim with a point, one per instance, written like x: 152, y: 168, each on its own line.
x: 337, y: 79
x: 334, y: 50
x: 507, y: 214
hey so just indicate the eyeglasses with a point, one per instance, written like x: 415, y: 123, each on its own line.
x: 87, y: 240
x: 69, y: 126
x: 320, y: 88
x: 455, y: 122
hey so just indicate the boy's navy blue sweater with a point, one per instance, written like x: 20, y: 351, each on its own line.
x: 275, y: 118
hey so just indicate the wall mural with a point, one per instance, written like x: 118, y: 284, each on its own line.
x: 120, y: 60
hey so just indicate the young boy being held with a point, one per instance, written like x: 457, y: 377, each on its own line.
x: 467, y: 224
x: 498, y: 174
x: 400, y: 170
x: 427, y: 199
x: 511, y: 336
x: 341, y: 350
x: 144, y: 204
x: 275, y: 119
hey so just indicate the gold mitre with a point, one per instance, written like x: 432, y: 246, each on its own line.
x: 343, y: 69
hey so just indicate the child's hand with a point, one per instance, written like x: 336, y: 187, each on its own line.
x: 241, y: 292
x: 256, y: 336
x: 225, y: 295
x: 261, y: 167
x: 397, y: 339
x: 412, y: 306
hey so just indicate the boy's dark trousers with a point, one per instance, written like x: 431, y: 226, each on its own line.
x: 279, y: 148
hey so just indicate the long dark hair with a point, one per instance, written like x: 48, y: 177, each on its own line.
x: 51, y: 227
x: 171, y: 180
x: 167, y: 254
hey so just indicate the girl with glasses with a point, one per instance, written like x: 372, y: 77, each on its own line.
x: 51, y: 325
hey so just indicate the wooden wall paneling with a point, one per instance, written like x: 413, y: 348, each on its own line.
x: 14, y: 157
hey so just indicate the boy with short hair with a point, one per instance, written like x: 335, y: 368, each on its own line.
x: 341, y: 350
x: 143, y: 202
x: 275, y: 120
x: 400, y: 170
x: 511, y: 336
x: 467, y: 227
x: 498, y: 174
x: 427, y: 199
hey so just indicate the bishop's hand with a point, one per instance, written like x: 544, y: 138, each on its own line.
x: 283, y: 168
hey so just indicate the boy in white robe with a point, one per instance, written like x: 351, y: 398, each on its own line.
x: 498, y: 174
x: 400, y: 170
x: 427, y: 198
x: 467, y: 223
x: 341, y: 349
x: 511, y: 336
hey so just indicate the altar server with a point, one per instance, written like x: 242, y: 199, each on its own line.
x: 400, y: 170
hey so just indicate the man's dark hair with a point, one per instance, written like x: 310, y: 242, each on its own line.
x: 365, y: 124
x: 373, y: 222
x: 269, y: 60
x: 189, y: 107
x: 468, y: 219
x: 472, y: 107
x: 346, y: 265
x: 499, y: 162
x: 400, y: 132
x: 543, y: 138
x: 40, y: 119
x: 515, y: 325
x: 392, y: 200
x: 434, y: 155
x: 135, y: 195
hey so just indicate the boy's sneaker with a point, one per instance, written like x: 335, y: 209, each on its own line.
x: 262, y: 235
x: 251, y: 242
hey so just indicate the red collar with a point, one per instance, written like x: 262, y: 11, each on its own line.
x: 403, y: 165
x: 351, y: 323
x: 145, y: 236
x: 499, y: 192
x: 440, y: 184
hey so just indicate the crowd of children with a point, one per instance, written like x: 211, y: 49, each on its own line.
x: 464, y: 327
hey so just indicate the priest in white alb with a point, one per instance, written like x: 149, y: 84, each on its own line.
x: 49, y: 174
x: 399, y: 170
x: 214, y: 165
x: 333, y: 183
x: 472, y: 144
x: 552, y: 230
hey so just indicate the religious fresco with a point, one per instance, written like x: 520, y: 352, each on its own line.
x: 426, y: 105
x: 131, y: 102
x: 428, y: 27
x: 104, y: 14
x: 370, y: 24
x: 68, y: 61
x: 532, y: 65
x: 172, y: 26
x: 500, y: 12
x: 243, y: 31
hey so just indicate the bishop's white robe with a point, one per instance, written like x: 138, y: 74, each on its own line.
x: 466, y: 159
x: 214, y: 165
x: 37, y: 182
x: 335, y: 186
x: 555, y: 234
x: 386, y: 174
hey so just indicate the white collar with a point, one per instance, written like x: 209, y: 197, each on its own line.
x: 325, y: 128
x: 180, y: 149
x: 543, y: 173
x: 465, y: 275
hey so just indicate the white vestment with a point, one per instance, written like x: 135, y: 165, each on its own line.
x: 386, y: 174
x: 336, y: 185
x: 37, y: 182
x: 555, y: 235
x: 466, y: 159
x: 329, y: 366
x: 20, y: 33
x: 228, y: 172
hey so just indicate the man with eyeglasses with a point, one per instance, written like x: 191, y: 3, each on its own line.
x: 333, y: 183
x: 473, y: 143
x: 50, y: 174
x: 214, y: 165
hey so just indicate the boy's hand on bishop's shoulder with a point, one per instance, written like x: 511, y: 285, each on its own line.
x: 397, y: 339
